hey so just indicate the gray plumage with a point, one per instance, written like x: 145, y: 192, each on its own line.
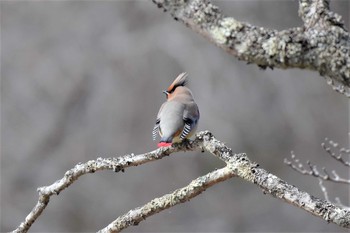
x: 178, y: 117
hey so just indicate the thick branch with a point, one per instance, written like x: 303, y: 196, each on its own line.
x: 236, y: 165
x: 314, y: 12
x: 322, y: 45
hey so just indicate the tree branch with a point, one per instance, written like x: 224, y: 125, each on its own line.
x: 236, y: 165
x: 314, y: 12
x: 322, y: 45
x: 196, y: 187
x: 337, y: 156
x: 312, y: 170
x: 325, y: 193
x: 115, y: 164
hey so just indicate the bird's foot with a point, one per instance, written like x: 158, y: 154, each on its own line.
x: 187, y: 143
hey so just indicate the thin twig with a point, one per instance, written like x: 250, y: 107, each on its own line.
x: 337, y: 156
x: 325, y: 193
x: 312, y: 170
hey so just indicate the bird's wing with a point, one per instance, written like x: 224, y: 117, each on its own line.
x: 190, y: 117
x: 155, y: 130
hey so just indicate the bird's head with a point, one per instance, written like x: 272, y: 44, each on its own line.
x: 180, y: 81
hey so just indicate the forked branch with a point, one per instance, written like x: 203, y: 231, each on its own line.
x: 237, y: 165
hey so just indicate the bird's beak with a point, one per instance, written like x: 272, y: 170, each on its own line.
x: 165, y: 92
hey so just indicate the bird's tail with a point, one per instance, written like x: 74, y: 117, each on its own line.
x: 165, y: 141
x: 164, y: 144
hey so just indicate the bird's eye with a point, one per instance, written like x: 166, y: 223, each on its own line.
x: 166, y: 93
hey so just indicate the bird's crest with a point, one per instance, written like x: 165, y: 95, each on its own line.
x: 181, y: 80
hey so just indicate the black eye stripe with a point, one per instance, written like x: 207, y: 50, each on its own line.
x: 177, y: 85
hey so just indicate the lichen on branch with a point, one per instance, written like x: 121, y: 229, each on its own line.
x: 322, y: 44
x: 237, y: 165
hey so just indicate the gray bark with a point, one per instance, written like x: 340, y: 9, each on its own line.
x: 322, y: 44
x: 237, y: 165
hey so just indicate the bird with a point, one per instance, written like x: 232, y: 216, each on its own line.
x: 178, y: 116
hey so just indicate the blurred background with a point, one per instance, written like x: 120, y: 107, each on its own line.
x: 83, y: 79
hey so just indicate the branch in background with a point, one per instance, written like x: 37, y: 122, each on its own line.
x: 312, y: 170
x: 325, y: 193
x: 236, y: 165
x: 323, y: 44
x: 338, y: 156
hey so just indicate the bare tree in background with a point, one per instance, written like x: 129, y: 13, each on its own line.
x: 322, y: 45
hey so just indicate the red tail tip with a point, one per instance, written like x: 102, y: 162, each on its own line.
x: 164, y: 144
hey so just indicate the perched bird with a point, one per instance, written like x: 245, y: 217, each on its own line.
x: 178, y: 117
